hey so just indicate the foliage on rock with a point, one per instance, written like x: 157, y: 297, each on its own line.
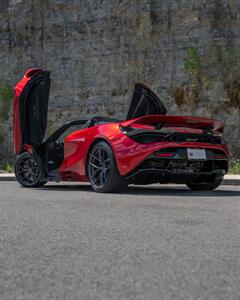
x: 189, y: 92
x: 230, y: 68
x: 6, y: 95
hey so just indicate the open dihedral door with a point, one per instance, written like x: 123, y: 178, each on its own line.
x: 31, y: 109
x: 144, y: 102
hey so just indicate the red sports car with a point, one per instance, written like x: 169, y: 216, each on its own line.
x: 148, y: 147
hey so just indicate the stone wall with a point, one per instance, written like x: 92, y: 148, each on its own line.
x: 186, y: 50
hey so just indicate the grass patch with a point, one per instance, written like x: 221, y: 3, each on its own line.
x: 8, y: 168
x: 235, y: 167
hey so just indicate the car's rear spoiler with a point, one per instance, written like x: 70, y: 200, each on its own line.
x: 178, y: 121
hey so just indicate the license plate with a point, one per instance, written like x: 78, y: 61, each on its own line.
x: 196, y: 154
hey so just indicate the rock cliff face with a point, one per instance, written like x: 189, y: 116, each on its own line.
x: 186, y: 50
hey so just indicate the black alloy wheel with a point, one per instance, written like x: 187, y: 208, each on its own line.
x: 102, y: 171
x: 27, y: 171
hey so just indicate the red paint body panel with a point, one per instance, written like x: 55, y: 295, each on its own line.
x: 77, y: 145
x: 127, y: 152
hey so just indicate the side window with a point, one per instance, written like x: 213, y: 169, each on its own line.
x: 70, y: 130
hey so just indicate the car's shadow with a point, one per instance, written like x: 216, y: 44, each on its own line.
x: 150, y: 190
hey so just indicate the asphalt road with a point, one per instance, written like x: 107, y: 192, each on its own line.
x: 67, y: 242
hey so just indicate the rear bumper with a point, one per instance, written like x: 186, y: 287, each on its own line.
x: 130, y: 154
x: 172, y: 165
x: 166, y: 176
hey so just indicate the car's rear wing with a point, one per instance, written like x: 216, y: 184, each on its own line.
x: 178, y: 121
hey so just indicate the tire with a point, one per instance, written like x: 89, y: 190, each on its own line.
x: 205, y: 186
x: 102, y: 170
x: 27, y: 171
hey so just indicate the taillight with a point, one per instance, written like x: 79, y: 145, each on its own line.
x: 165, y: 154
x: 220, y: 156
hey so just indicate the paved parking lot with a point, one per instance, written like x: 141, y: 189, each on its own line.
x: 64, y: 241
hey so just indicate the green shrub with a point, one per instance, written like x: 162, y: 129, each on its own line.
x: 235, y: 167
x: 8, y: 168
x: 192, y: 64
x: 229, y: 60
x: 189, y: 92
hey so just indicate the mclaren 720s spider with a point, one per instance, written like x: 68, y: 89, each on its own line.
x: 147, y: 147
